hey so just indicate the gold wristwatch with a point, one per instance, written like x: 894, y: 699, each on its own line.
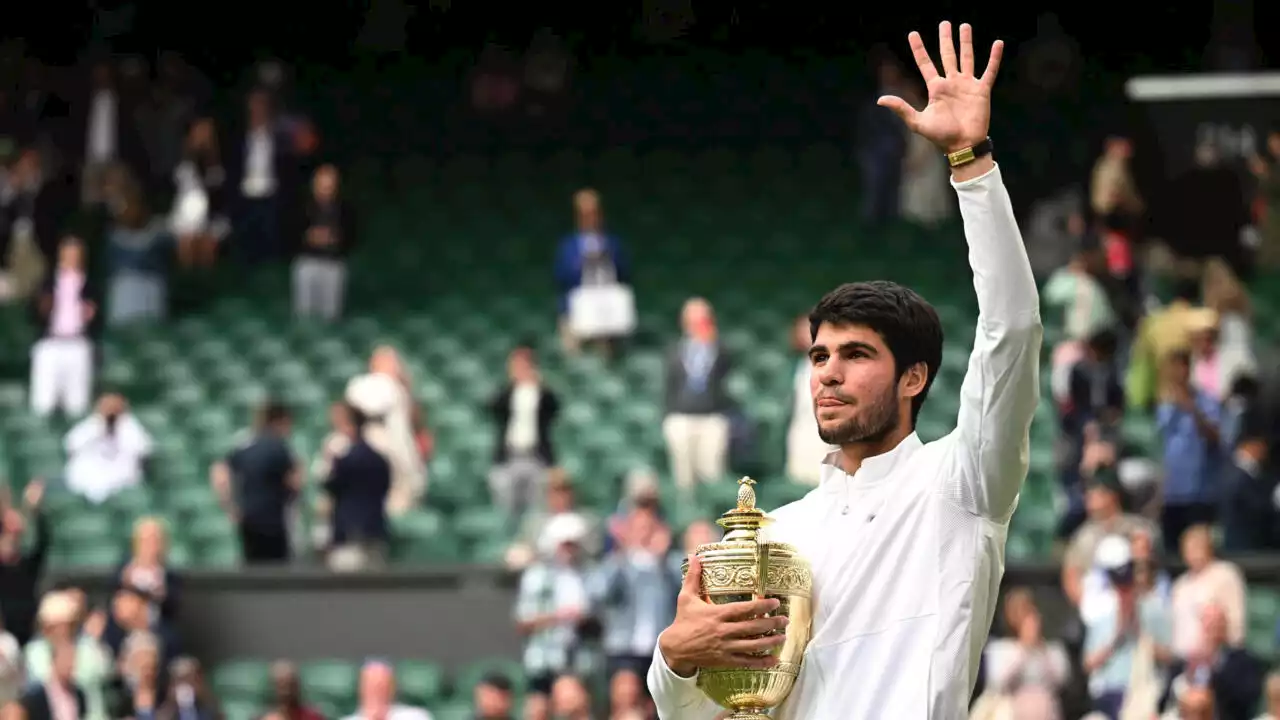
x: 969, y: 154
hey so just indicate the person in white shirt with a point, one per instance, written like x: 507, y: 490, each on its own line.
x: 378, y: 696
x: 106, y: 451
x: 906, y: 539
x: 383, y: 396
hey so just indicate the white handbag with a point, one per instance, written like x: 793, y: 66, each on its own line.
x: 602, y: 311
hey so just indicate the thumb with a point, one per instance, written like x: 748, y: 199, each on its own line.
x: 900, y: 107
x: 693, y: 579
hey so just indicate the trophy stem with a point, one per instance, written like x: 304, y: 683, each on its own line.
x: 749, y: 714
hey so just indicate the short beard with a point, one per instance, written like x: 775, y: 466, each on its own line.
x: 874, y: 425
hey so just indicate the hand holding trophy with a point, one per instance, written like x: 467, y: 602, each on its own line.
x: 743, y: 616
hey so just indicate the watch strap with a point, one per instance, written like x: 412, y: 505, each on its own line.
x: 967, y: 155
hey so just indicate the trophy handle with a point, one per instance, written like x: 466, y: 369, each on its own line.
x: 762, y: 569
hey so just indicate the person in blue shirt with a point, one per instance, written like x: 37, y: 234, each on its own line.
x: 1189, y: 421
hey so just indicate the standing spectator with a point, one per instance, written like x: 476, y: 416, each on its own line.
x: 378, y: 696
x: 60, y: 619
x: 198, y: 217
x: 1106, y: 516
x: 1026, y: 663
x: 1188, y: 421
x: 33, y: 207
x: 1161, y: 334
x: 62, y: 360
x: 1208, y: 581
x: 138, y: 257
x: 320, y: 272
x: 147, y: 568
x: 358, y: 484
x: 259, y: 172
x: 550, y: 604
x: 493, y: 698
x: 523, y: 412
x: 104, y: 133
x: 882, y: 143
x: 287, y: 693
x: 1113, y: 191
x: 596, y: 301
x: 1231, y: 673
x: 107, y: 451
x: 58, y: 697
x: 20, y: 570
x: 805, y: 450
x: 1250, y: 516
x: 696, y: 426
x: 384, y: 396
x: 256, y: 483
x: 1226, y: 296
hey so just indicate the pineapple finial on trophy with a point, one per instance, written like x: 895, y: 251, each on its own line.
x: 746, y: 495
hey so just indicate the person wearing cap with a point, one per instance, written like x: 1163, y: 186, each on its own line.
x: 1104, y: 505
x: 560, y: 500
x: 1125, y: 639
x: 1188, y: 420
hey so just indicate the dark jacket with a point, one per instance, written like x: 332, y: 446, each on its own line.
x: 548, y: 409
x: 340, y: 218
x: 1236, y: 680
x: 359, y: 483
x: 18, y: 581
x: 714, y: 400
x: 42, y: 303
x: 172, y: 590
x: 35, y: 702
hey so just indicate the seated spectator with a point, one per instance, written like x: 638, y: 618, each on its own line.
x: 524, y: 412
x: 21, y: 567
x: 358, y: 484
x: 60, y: 619
x: 320, y: 270
x: 1106, y: 516
x: 493, y: 698
x: 62, y: 359
x: 188, y: 696
x: 377, y: 699
x: 57, y: 697
x: 140, y: 683
x: 696, y: 424
x: 1208, y: 581
x: 569, y: 699
x: 137, y: 251
x: 1188, y: 420
x: 384, y: 396
x: 287, y: 694
x: 1126, y: 640
x: 551, y: 603
x: 1231, y: 673
x: 147, y: 568
x: 596, y: 303
x: 1196, y: 703
x: 107, y: 451
x: 131, y: 612
x: 1025, y: 663
x: 627, y: 697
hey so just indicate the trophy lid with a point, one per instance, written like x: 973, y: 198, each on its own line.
x: 744, y: 521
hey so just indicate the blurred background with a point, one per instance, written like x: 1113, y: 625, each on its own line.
x: 381, y: 358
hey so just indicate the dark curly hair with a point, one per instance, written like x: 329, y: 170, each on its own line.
x: 906, y: 322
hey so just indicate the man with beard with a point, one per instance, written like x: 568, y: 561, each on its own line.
x: 906, y: 539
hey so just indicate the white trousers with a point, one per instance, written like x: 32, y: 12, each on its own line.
x: 698, y: 446
x: 61, y: 376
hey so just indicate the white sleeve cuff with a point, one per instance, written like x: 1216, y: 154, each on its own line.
x: 985, y: 178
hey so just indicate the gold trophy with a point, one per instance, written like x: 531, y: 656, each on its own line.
x: 743, y: 567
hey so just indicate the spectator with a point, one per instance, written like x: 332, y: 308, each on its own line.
x: 138, y: 250
x: 20, y: 570
x: 1078, y: 293
x: 1126, y: 641
x: 1113, y: 191
x: 147, y: 568
x: 1161, y: 334
x: 640, y: 491
x: 1250, y: 514
x: 358, y: 484
x: 560, y: 503
x: 596, y: 301
x: 60, y: 623
x: 384, y: 396
x: 32, y: 208
x: 882, y: 143
x: 1188, y: 420
x: 493, y: 698
x: 188, y: 697
x: 1208, y: 374
x: 805, y: 450
x: 1195, y: 704
x: 12, y: 672
x: 320, y: 271
x: 255, y: 484
x: 132, y: 614
x: 569, y: 699
x: 1271, y: 697
x: 378, y: 696
x: 57, y: 697
x: 627, y: 697
x: 287, y: 691
x: 524, y: 412
x: 198, y: 217
x: 696, y: 425
x: 1208, y: 581
x: 107, y: 451
x: 551, y: 603
x: 1225, y: 295
x: 260, y: 182
x: 104, y: 133
x: 1094, y: 394
x: 1026, y: 663
x: 140, y: 685
x: 1231, y: 673
x: 62, y: 359
x: 1265, y: 168
x: 635, y: 589
x: 1106, y: 517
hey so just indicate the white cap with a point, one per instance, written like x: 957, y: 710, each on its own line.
x: 1113, y: 553
x: 563, y: 528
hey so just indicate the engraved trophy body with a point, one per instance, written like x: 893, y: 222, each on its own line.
x: 744, y: 567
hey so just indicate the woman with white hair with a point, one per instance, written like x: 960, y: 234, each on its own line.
x: 383, y: 396
x: 59, y: 618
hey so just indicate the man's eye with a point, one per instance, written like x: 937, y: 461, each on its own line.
x: 819, y: 358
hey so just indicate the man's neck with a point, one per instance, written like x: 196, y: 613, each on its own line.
x: 852, y: 455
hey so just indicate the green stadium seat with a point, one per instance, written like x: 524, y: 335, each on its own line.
x: 420, y: 683
x: 330, y: 681
x: 241, y: 709
x: 242, y: 680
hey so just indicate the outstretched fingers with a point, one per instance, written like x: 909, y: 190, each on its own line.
x: 993, y: 64
x: 966, y: 49
x: 901, y: 108
x: 947, y: 48
x: 921, y: 55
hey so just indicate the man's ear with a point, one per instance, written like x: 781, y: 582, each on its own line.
x: 913, y: 380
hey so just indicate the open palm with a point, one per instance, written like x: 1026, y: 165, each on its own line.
x: 959, y: 109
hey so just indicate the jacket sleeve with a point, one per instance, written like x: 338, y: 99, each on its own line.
x: 677, y: 698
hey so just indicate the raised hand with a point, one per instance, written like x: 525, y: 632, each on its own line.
x: 706, y: 635
x: 959, y: 109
